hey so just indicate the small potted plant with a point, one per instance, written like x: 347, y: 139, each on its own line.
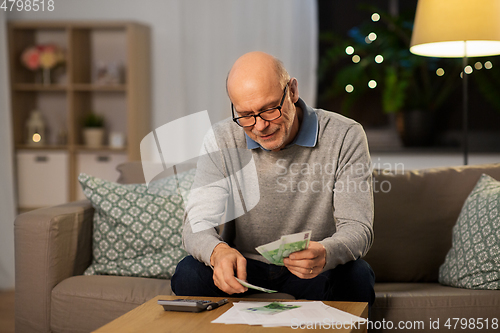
x: 93, y: 131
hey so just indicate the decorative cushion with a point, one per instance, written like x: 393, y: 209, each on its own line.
x: 474, y: 260
x: 137, y: 229
x: 415, y: 212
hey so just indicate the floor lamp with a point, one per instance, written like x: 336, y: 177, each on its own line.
x: 457, y: 29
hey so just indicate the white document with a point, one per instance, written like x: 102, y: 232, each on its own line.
x: 309, y: 312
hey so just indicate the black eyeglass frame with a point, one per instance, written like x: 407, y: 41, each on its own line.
x: 279, y: 107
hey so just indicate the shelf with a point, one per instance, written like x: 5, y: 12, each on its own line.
x: 79, y: 148
x: 95, y: 52
x: 107, y: 149
x: 75, y: 87
x: 99, y: 87
x: 46, y: 147
x: 69, y: 24
x: 39, y: 87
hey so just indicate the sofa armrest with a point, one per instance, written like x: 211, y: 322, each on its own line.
x: 51, y: 244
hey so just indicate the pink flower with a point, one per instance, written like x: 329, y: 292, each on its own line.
x: 42, y: 56
x: 31, y: 58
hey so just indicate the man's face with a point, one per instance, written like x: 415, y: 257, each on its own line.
x: 271, y: 135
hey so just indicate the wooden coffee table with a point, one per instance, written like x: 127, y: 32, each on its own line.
x: 150, y: 317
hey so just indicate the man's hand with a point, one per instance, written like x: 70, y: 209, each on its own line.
x: 308, y: 263
x: 225, y: 260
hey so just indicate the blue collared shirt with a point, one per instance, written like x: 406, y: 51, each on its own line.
x: 307, y: 136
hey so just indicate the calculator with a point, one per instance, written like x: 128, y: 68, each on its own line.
x: 190, y: 305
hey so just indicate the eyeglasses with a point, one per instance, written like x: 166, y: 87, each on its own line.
x: 267, y: 115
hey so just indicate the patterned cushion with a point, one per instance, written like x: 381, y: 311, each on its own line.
x: 137, y: 229
x: 474, y: 260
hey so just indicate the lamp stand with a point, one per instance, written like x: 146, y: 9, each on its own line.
x: 465, y: 107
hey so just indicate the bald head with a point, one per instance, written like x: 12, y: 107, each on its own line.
x: 256, y: 86
x: 254, y: 72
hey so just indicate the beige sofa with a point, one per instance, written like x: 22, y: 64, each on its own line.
x: 414, y: 215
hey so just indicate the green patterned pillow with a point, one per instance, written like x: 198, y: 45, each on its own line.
x: 137, y: 229
x: 474, y: 259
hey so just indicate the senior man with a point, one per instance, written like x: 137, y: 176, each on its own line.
x: 313, y: 170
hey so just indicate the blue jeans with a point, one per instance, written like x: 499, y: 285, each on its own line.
x: 352, y: 281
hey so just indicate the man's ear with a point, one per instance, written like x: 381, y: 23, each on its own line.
x: 294, y: 90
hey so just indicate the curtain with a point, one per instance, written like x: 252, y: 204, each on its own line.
x: 7, y: 203
x: 215, y: 33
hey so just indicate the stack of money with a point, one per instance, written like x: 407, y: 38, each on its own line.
x: 276, y: 251
x: 248, y: 285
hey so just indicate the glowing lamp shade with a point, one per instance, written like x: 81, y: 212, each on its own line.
x: 456, y: 28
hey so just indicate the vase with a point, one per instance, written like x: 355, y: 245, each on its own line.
x: 46, y: 76
x: 93, y: 137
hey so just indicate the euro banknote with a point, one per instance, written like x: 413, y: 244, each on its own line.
x: 276, y: 251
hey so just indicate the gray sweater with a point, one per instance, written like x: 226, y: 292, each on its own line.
x: 326, y: 188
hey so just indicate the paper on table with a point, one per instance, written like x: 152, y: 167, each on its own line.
x: 343, y: 316
x: 237, y: 315
x: 233, y: 315
x: 313, y: 311
x: 271, y: 308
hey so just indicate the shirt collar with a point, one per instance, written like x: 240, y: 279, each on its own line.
x: 307, y: 136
